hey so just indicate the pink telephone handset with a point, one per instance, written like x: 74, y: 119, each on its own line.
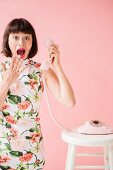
x: 45, y: 64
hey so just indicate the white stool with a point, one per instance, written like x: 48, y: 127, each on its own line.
x: 74, y: 139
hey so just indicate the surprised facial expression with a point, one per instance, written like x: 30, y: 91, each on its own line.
x: 18, y: 41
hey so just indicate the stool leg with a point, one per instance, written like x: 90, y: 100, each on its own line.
x: 110, y: 152
x: 70, y: 157
x: 106, y: 159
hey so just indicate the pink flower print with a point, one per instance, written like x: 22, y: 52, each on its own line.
x: 4, y: 159
x: 37, y: 119
x: 23, y: 105
x: 10, y: 119
x: 14, y: 132
x: 37, y: 65
x: 35, y: 137
x: 32, y: 83
x: 37, y: 162
x: 5, y: 106
x: 11, y: 169
x: 26, y: 157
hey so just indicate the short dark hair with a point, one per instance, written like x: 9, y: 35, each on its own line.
x: 15, y: 26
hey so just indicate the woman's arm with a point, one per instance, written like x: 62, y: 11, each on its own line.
x: 57, y: 81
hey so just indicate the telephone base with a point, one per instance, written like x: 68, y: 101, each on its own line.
x: 94, y: 127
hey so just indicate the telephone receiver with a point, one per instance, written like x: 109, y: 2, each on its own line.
x: 45, y: 64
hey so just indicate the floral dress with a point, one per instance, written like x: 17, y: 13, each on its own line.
x: 21, y: 140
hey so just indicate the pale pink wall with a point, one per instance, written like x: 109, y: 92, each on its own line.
x: 84, y: 31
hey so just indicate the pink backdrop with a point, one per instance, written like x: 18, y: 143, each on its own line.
x: 84, y: 31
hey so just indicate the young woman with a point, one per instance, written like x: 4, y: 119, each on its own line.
x: 21, y: 140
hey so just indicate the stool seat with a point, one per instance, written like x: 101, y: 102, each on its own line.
x: 87, y: 140
x: 74, y: 139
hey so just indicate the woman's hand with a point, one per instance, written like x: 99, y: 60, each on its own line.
x: 12, y: 73
x: 54, y: 55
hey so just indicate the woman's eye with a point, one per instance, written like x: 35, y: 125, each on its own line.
x: 27, y: 38
x: 15, y: 37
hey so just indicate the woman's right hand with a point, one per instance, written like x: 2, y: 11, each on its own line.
x: 12, y: 73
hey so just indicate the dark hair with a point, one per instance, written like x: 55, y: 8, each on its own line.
x: 15, y: 26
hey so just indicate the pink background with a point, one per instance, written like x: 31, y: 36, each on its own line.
x: 84, y: 31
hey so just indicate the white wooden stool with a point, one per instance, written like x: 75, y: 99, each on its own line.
x: 74, y: 139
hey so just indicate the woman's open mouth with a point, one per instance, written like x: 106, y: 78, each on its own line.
x: 21, y: 51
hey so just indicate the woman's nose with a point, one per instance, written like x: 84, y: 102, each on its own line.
x: 21, y: 42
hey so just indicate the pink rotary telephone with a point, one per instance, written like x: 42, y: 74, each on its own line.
x: 94, y: 127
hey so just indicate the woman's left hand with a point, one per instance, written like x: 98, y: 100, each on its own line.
x: 54, y: 55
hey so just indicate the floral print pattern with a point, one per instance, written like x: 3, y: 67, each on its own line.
x: 21, y: 140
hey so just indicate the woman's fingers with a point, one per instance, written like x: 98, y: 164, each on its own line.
x: 16, y: 64
x: 53, y: 46
x: 12, y: 62
x: 53, y: 54
x: 19, y: 67
x: 53, y: 49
